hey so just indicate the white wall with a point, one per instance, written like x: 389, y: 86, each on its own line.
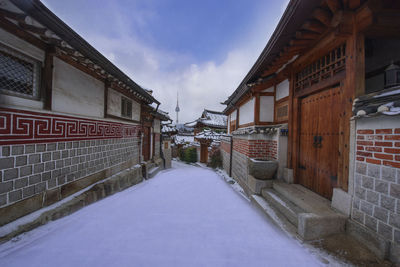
x: 233, y: 115
x: 114, y: 105
x: 282, y: 90
x: 76, y: 92
x: 246, y: 112
x: 25, y: 48
x: 266, y: 108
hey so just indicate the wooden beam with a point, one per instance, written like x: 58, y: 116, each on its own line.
x: 306, y: 35
x: 314, y: 26
x: 12, y: 15
x: 323, y: 16
x: 17, y: 31
x: 48, y: 78
x: 334, y: 5
x: 257, y: 109
x: 299, y: 42
x: 33, y: 29
x: 354, y: 4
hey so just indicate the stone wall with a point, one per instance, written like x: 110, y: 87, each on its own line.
x: 76, y: 148
x: 376, y: 202
x: 226, y: 153
x: 167, y: 152
x: 157, y: 144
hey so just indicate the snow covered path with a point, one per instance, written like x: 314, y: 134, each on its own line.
x: 185, y: 216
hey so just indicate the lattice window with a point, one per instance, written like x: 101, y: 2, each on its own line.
x: 19, y: 74
x: 126, y: 107
x: 323, y: 68
x: 282, y: 111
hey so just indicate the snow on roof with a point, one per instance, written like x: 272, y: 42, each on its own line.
x: 213, y: 119
x: 183, y: 139
x: 386, y: 102
x: 168, y: 128
x: 191, y: 124
x: 208, y: 134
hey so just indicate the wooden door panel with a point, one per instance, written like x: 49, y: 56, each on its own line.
x: 318, y: 158
x: 146, y: 143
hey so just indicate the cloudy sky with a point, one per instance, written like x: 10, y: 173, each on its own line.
x: 201, y: 48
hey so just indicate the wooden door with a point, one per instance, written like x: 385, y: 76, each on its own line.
x: 319, y: 141
x: 146, y: 143
x: 203, y: 153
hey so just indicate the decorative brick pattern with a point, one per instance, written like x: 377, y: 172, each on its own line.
x: 46, y: 166
x: 24, y: 127
x: 379, y: 146
x: 259, y: 149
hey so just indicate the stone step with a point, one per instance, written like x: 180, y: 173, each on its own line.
x: 284, y: 206
x: 310, y: 213
x: 304, y: 198
x: 275, y: 215
x: 153, y: 171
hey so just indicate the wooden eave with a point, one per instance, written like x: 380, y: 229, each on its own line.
x: 40, y: 27
x: 296, y: 33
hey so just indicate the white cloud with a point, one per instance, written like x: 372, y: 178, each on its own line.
x: 200, y: 85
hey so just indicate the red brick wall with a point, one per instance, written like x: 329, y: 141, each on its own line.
x: 380, y: 146
x: 260, y: 149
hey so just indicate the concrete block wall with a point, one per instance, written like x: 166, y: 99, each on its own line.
x: 376, y: 200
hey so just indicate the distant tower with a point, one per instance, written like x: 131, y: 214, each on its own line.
x: 177, y: 109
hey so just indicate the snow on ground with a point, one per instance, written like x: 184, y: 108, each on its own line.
x: 185, y: 216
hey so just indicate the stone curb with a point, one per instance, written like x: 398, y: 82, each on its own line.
x: 96, y: 192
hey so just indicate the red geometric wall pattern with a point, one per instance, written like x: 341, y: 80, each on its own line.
x: 23, y: 127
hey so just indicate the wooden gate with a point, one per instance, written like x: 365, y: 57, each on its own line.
x: 319, y: 141
x: 203, y: 153
x: 146, y: 143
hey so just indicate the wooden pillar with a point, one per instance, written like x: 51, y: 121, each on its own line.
x: 106, y: 86
x: 353, y: 86
x: 257, y: 109
x: 48, y: 78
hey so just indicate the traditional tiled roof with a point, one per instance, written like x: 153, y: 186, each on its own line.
x: 208, y: 134
x: 214, y: 119
x: 386, y: 102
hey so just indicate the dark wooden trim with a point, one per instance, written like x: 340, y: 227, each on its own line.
x: 322, y: 85
x: 47, y: 77
x: 257, y: 108
x: 17, y: 31
x: 121, y: 118
x: 265, y: 123
x: 267, y: 93
x: 80, y: 67
x: 106, y: 85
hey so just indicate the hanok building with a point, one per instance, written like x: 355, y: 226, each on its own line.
x: 295, y: 106
x: 207, y: 128
x: 69, y: 118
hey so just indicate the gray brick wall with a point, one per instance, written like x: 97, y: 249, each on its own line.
x: 26, y: 170
x: 376, y: 202
x: 239, y: 166
x: 225, y: 160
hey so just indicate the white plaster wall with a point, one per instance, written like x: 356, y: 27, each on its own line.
x: 114, y: 105
x: 15, y: 43
x: 282, y: 90
x: 246, y: 112
x: 266, y: 108
x: 157, y: 126
x: 268, y: 90
x: 76, y: 92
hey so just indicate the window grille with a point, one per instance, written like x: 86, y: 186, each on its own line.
x: 321, y: 69
x: 126, y: 107
x: 282, y: 111
x: 19, y: 74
